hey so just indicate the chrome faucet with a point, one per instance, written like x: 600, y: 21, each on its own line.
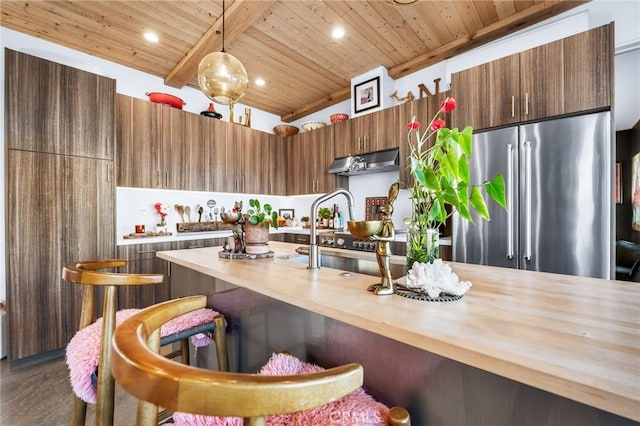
x: 314, y: 252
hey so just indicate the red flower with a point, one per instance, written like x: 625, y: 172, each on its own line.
x: 438, y: 124
x: 449, y: 104
x: 413, y: 125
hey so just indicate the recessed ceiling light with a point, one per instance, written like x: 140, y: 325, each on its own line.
x: 151, y: 36
x: 260, y: 82
x: 337, y: 32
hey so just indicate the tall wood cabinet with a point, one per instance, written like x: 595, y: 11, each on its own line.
x: 564, y: 77
x: 60, y: 194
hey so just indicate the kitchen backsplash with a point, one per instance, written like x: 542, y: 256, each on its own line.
x: 135, y: 206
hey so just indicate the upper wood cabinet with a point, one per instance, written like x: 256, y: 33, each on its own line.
x: 366, y: 133
x: 564, y: 77
x: 310, y: 155
x: 68, y: 111
x: 276, y: 173
x: 160, y: 146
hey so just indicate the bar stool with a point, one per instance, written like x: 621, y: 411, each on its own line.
x: 91, y: 344
x: 139, y: 370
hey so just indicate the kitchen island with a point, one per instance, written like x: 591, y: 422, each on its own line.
x: 577, y: 338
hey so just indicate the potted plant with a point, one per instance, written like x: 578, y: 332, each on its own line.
x: 324, y: 213
x: 441, y: 187
x: 256, y: 228
x: 305, y: 222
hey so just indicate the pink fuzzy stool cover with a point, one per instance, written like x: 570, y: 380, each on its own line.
x: 83, y: 351
x: 355, y: 409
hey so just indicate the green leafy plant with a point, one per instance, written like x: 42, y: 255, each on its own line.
x: 304, y: 219
x: 262, y: 213
x: 442, y: 176
x: 324, y: 212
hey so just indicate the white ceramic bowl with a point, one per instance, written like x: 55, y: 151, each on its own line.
x: 310, y: 125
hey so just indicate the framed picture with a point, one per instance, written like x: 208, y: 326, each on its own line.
x: 366, y: 95
x: 286, y: 213
x: 618, y: 194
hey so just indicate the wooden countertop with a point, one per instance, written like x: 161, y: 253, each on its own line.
x: 575, y: 337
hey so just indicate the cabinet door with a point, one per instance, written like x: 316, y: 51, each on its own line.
x: 143, y: 260
x: 342, y: 139
x: 542, y: 82
x: 277, y: 170
x: 385, y: 129
x: 503, y: 102
x: 299, y: 180
x: 88, y: 227
x: 588, y: 69
x: 236, y: 151
x: 218, y: 177
x: 87, y: 114
x: 471, y: 90
x: 34, y: 253
x: 184, y: 151
x: 50, y: 224
x: 139, y: 131
x: 362, y: 133
x: 320, y: 155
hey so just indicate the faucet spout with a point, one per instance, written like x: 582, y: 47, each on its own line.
x: 314, y: 252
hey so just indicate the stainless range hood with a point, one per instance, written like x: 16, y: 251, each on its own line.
x: 373, y: 162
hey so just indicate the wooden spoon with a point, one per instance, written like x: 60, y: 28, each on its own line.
x: 187, y: 211
x: 180, y: 210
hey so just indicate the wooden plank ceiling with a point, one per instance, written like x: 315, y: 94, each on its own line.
x: 287, y: 43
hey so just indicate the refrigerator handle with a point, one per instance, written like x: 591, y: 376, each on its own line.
x: 509, y: 201
x: 527, y: 197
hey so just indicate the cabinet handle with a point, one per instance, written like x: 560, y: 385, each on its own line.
x: 196, y: 246
x: 146, y: 251
x: 526, y: 104
x: 509, y: 184
x: 527, y: 198
x: 166, y: 179
x: 302, y: 240
x: 108, y: 173
x: 158, y: 179
x: 513, y: 106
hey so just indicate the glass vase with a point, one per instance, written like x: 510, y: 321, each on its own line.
x: 423, y: 244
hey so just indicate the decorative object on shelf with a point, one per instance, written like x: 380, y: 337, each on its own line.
x: 305, y: 222
x: 366, y: 95
x: 383, y: 233
x: 161, y: 210
x: 235, y: 218
x: 312, y: 125
x: 285, y: 130
x: 441, y: 174
x: 404, y: 99
x: 434, y: 280
x: 221, y: 76
x: 287, y: 213
x: 324, y: 214
x: 140, y: 229
x: 166, y: 99
x: 338, y: 118
x: 211, y: 112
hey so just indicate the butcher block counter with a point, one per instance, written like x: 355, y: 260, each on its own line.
x: 575, y: 337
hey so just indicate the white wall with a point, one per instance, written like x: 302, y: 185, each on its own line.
x: 626, y: 15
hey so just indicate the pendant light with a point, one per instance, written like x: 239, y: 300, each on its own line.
x: 221, y: 76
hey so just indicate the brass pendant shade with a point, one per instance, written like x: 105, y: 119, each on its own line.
x: 222, y: 78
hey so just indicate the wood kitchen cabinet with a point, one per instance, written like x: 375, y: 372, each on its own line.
x: 50, y: 223
x: 68, y: 111
x: 276, y: 173
x: 366, y: 133
x: 564, y: 77
x: 310, y: 155
x: 160, y: 146
x: 60, y: 194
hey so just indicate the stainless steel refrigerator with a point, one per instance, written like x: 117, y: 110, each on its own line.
x: 558, y: 179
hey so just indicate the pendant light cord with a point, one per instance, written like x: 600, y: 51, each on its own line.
x: 222, y: 26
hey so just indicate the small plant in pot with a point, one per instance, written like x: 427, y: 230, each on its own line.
x: 256, y: 228
x: 305, y: 222
x: 325, y: 214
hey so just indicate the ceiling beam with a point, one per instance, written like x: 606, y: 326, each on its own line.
x: 238, y: 17
x: 331, y: 99
x: 525, y: 18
